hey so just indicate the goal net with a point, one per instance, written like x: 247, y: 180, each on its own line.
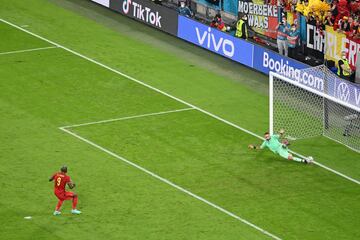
x: 314, y: 102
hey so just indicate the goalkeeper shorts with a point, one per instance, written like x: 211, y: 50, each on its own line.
x: 284, y: 153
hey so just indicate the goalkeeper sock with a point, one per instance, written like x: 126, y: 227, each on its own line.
x: 296, y: 159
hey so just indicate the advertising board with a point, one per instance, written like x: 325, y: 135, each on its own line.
x: 216, y: 41
x: 266, y: 61
x: 105, y: 3
x: 149, y: 13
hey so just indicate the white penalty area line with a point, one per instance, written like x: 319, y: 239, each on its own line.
x: 167, y: 94
x: 128, y: 118
x: 164, y: 180
x: 27, y: 50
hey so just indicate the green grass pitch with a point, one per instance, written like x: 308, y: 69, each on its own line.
x: 48, y: 88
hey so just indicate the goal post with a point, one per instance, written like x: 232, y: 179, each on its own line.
x: 314, y: 102
x: 271, y: 102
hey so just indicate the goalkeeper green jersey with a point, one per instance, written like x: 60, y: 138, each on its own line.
x: 273, y: 143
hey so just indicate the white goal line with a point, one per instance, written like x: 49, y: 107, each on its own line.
x: 27, y: 50
x: 166, y: 94
x: 127, y: 118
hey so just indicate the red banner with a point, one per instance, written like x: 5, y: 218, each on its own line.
x: 353, y: 47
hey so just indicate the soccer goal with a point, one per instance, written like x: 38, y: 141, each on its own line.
x: 314, y: 102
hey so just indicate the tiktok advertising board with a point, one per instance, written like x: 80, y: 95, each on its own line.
x: 149, y: 13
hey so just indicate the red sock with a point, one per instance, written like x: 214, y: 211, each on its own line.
x: 74, y: 202
x: 58, y: 206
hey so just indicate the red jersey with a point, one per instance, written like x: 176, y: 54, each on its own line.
x: 61, y: 179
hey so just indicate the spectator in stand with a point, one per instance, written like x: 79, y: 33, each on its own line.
x: 329, y: 19
x: 218, y: 23
x: 334, y: 8
x: 184, y: 10
x: 320, y: 27
x: 241, y: 28
x: 354, y: 29
x: 344, y: 69
x: 293, y: 41
x: 343, y: 11
x: 344, y: 24
x: 282, y: 30
x: 355, y: 7
x: 292, y: 4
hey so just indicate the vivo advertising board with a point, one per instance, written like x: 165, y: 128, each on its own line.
x: 215, y: 41
x: 266, y: 61
x: 149, y: 13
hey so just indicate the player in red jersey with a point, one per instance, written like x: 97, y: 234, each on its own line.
x: 61, y: 180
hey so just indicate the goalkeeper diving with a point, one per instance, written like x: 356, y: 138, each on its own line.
x: 278, y: 145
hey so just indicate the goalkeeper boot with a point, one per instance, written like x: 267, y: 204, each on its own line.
x: 309, y: 160
x: 75, y: 211
x: 56, y: 213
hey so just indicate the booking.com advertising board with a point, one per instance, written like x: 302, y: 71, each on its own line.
x: 344, y: 91
x: 215, y: 41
